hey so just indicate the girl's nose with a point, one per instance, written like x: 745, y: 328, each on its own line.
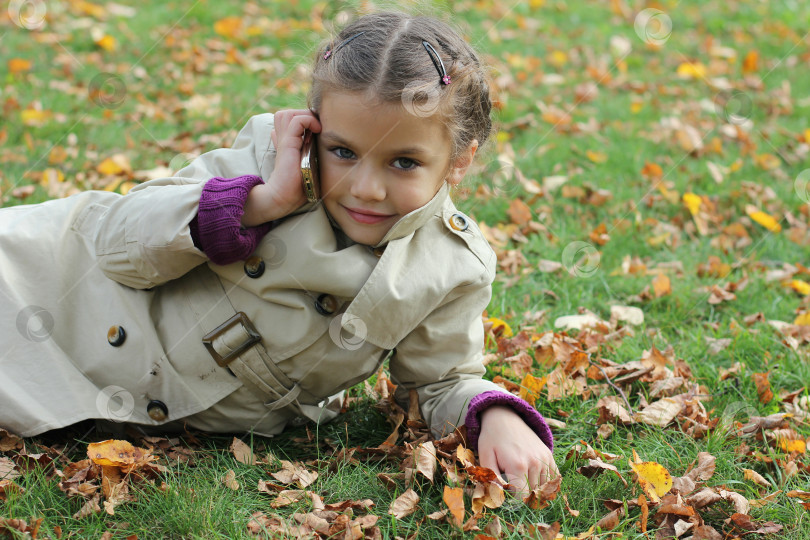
x: 366, y: 183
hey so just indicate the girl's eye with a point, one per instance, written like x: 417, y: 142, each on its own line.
x: 406, y: 164
x: 343, y: 153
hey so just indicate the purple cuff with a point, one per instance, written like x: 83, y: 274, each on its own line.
x: 528, y: 413
x: 217, y: 228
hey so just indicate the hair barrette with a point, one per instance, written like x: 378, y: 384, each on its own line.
x: 437, y: 61
x: 329, y: 50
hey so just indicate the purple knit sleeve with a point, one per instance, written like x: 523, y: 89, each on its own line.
x: 217, y: 228
x: 528, y: 413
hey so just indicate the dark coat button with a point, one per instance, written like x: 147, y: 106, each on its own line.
x: 157, y: 410
x: 378, y: 251
x: 116, y: 336
x: 254, y: 267
x: 458, y: 222
x: 326, y: 304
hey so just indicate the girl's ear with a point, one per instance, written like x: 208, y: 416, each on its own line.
x: 460, y: 165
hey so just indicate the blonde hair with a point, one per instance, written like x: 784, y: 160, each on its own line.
x: 382, y: 55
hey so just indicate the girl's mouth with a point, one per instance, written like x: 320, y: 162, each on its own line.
x: 366, y: 217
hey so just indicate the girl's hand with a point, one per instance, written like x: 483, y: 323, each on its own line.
x: 283, y: 191
x: 508, y: 445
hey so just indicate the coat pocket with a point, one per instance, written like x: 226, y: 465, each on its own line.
x: 86, y: 221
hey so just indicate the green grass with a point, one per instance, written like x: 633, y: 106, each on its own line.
x: 168, y: 52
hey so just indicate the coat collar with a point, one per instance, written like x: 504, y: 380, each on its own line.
x: 408, y: 223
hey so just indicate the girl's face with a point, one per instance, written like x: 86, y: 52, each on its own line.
x: 378, y: 162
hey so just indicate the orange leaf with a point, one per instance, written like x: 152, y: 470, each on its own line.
x: 18, y: 65
x: 661, y: 285
x: 228, y: 27
x: 654, y: 479
x: 454, y: 499
x: 763, y: 386
x: 118, y: 454
x: 652, y: 170
x: 750, y: 62
x: 596, y: 156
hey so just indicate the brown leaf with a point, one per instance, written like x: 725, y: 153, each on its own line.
x: 294, y: 472
x: 287, y: 497
x: 753, y: 476
x: 242, y: 452
x: 519, y: 212
x: 454, y: 499
x: 6, y: 487
x: 8, y: 469
x: 424, y: 456
x: 230, y: 480
x: 659, y: 413
x: 541, y: 497
x: 404, y: 505
x: 763, y: 386
x: 611, y: 520
x: 9, y: 441
x: 705, y: 467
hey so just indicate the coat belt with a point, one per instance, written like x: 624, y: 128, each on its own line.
x: 236, y: 345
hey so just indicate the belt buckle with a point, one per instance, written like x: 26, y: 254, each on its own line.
x: 253, y: 338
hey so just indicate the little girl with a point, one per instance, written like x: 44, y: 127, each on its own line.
x: 220, y: 299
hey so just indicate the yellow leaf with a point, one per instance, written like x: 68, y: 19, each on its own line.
x: 766, y: 220
x: 498, y: 323
x: 803, y: 319
x: 596, y: 157
x: 751, y: 62
x: 636, y: 106
x: 692, y: 202
x: 807, y: 135
x: 653, y: 478
x: 531, y: 386
x: 18, y: 65
x: 48, y: 173
x: 107, y: 42
x: 801, y: 287
x: 767, y: 161
x: 228, y: 27
x: 35, y: 117
x: 115, y: 165
x: 558, y: 58
x: 798, y: 445
x: 692, y: 70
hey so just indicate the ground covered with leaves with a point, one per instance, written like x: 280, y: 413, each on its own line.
x: 648, y: 195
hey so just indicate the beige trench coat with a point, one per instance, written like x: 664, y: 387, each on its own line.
x: 309, y: 316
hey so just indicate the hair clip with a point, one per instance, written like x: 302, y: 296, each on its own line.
x: 329, y: 50
x: 437, y: 61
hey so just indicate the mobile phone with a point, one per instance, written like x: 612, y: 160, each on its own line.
x: 309, y: 167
